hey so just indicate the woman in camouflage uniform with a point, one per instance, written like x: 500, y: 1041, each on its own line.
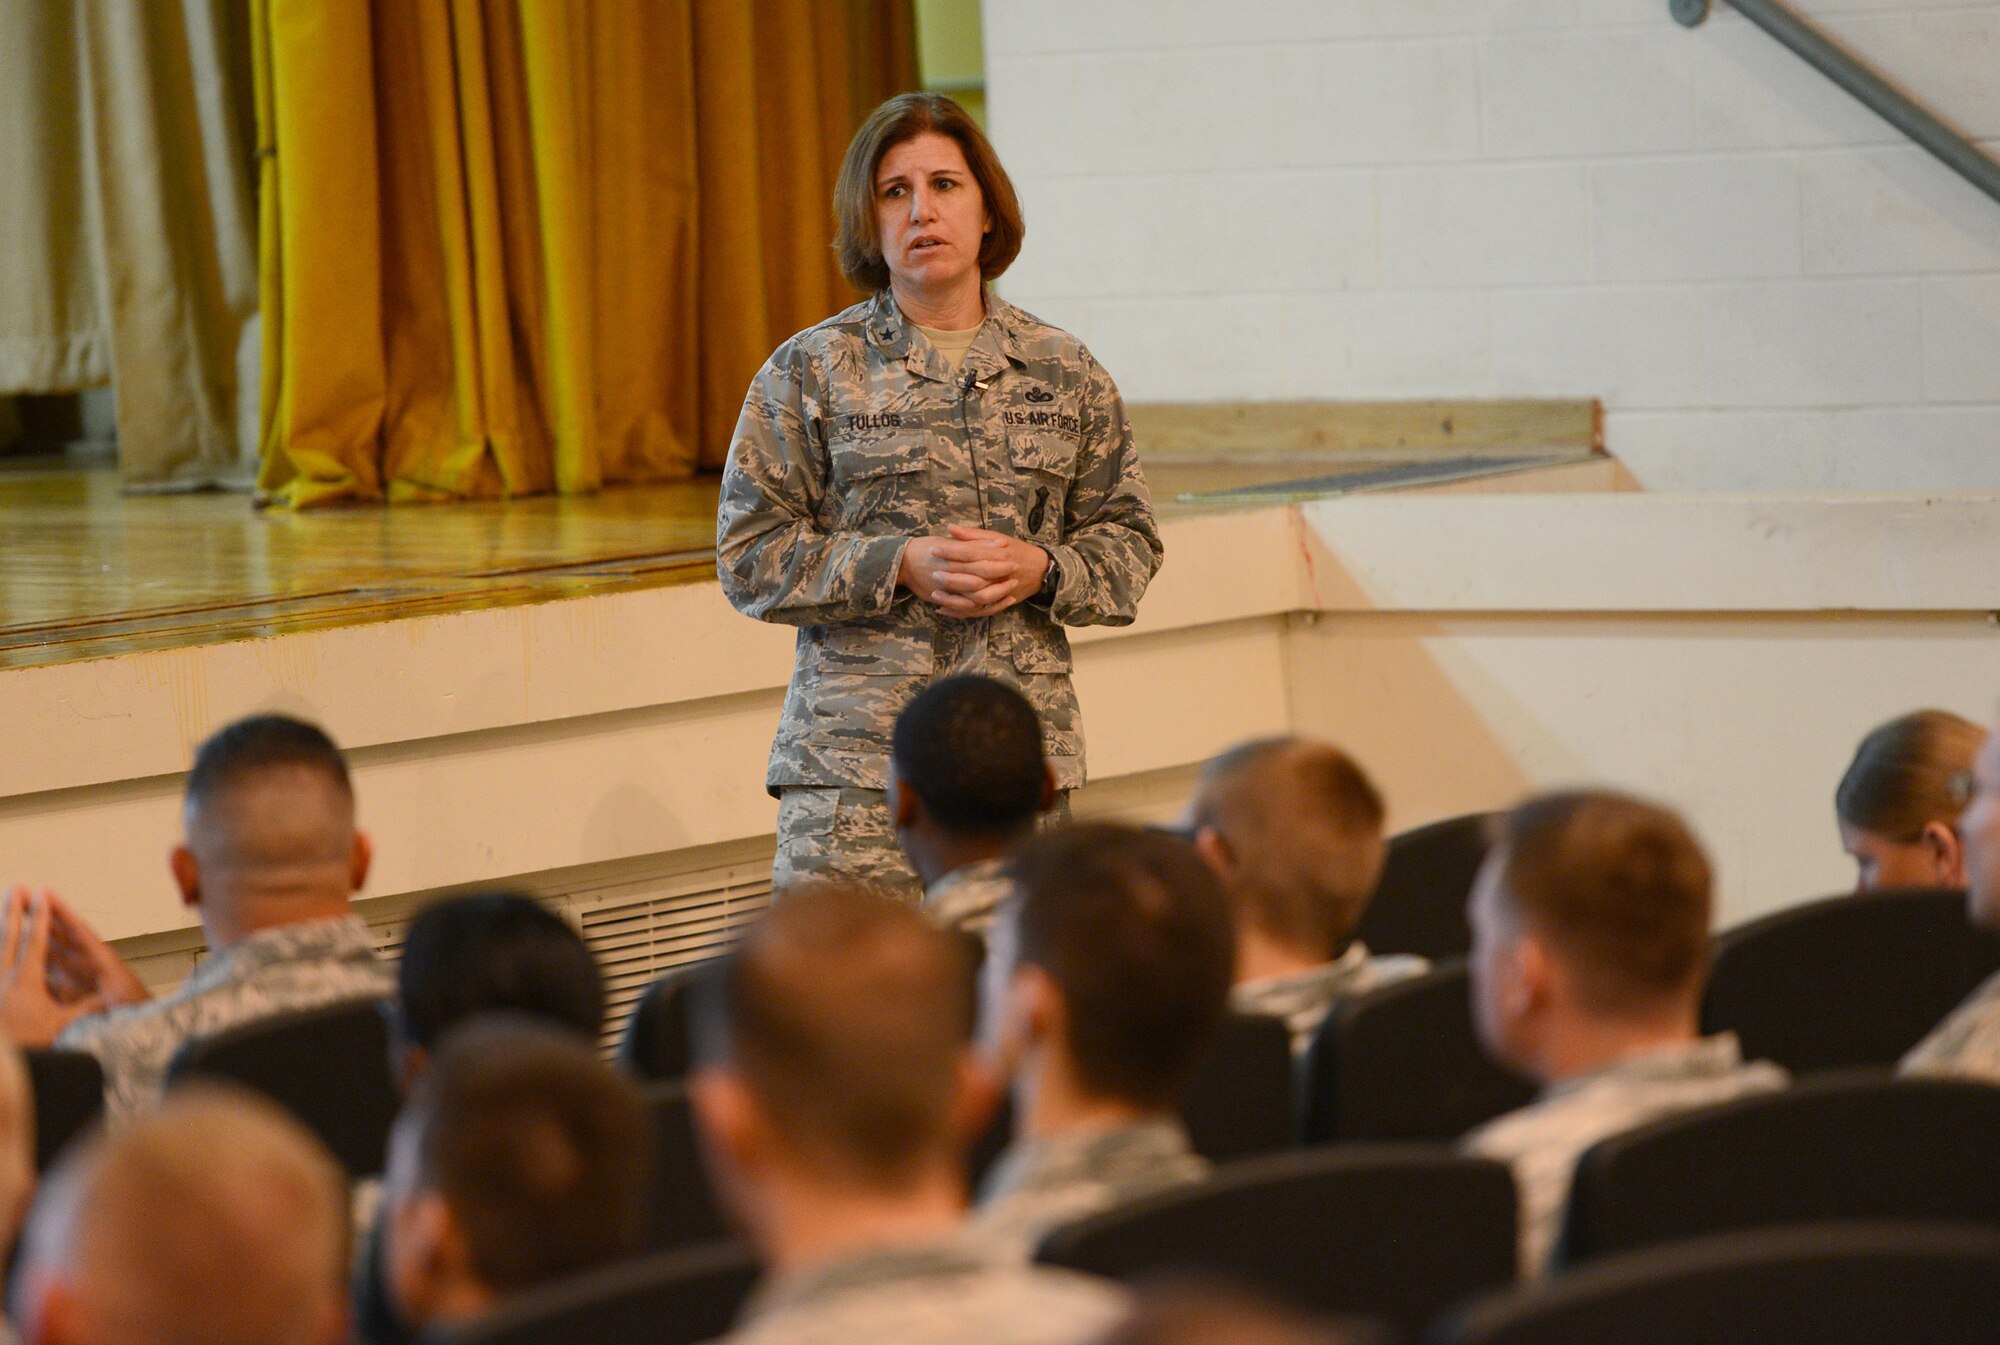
x: 930, y: 482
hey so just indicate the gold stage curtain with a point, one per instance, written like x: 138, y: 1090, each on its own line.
x: 513, y: 246
x: 125, y: 148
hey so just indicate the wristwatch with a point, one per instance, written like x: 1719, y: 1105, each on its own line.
x: 1051, y: 581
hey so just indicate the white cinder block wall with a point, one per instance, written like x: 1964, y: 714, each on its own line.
x: 1401, y: 198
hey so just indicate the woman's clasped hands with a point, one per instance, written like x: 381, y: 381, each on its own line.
x: 973, y: 572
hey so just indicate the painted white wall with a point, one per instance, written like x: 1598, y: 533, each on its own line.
x: 1263, y: 199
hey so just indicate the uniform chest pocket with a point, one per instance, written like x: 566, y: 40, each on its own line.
x: 1042, y: 451
x: 877, y: 482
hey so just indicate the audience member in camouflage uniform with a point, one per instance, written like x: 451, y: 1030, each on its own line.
x: 1294, y: 830
x: 521, y: 1158
x: 1106, y: 977
x: 1590, y: 949
x: 836, y: 1090
x: 967, y: 781
x: 920, y: 504
x: 270, y: 861
x: 215, y: 1218
x: 1967, y: 1043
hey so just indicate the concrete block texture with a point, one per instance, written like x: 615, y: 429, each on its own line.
x: 1521, y: 197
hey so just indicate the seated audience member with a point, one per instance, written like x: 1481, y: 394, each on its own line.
x: 1589, y: 953
x: 1897, y: 806
x: 1194, y: 1313
x: 522, y: 1157
x: 270, y: 859
x: 492, y: 952
x: 1107, y: 975
x: 1967, y: 1043
x: 838, y: 1091
x: 967, y: 781
x: 214, y: 1220
x: 1294, y: 830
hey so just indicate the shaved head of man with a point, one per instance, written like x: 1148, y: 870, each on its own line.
x: 270, y: 831
x: 216, y: 1220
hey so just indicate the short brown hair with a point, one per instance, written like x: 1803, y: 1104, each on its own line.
x: 1618, y: 887
x: 216, y: 1218
x: 1900, y: 780
x: 1134, y: 930
x: 542, y: 1150
x: 1305, y: 825
x: 846, y: 1014
x: 858, y: 242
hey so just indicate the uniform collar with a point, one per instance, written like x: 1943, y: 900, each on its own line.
x: 1704, y: 1058
x: 304, y: 940
x: 1112, y: 1154
x: 1313, y: 985
x: 978, y: 871
x: 877, y: 1267
x: 997, y: 345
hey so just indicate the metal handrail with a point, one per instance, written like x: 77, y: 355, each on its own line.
x: 1841, y: 66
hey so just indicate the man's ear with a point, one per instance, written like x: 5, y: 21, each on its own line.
x: 976, y: 1094
x: 737, y: 1144
x: 358, y: 861
x: 727, y: 1117
x: 904, y: 805
x: 187, y: 874
x: 1036, y: 1011
x: 1047, y: 802
x: 1532, y: 980
x: 1215, y: 852
x: 419, y: 1259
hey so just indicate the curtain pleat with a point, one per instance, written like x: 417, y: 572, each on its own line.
x: 532, y: 245
x: 125, y: 199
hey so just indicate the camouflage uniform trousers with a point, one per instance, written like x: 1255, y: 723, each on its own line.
x: 848, y: 834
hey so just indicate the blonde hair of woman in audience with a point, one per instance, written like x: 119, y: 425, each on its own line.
x: 1897, y: 806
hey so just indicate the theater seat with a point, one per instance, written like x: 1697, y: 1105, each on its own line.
x: 1419, y: 906
x: 1849, y: 980
x: 1847, y: 1284
x: 685, y: 1213
x: 329, y: 1067
x: 668, y: 1298
x: 1404, y: 1063
x: 1842, y: 1146
x: 657, y: 1044
x: 1240, y: 1102
x: 1396, y: 1232
x: 69, y: 1096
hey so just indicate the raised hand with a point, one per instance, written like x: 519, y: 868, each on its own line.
x: 29, y: 1009
x: 85, y: 960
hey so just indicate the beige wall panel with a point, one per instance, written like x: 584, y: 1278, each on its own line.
x: 1744, y: 722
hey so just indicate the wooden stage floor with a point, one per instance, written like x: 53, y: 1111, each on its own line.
x: 93, y: 573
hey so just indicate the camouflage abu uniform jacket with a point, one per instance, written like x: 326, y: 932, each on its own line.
x: 855, y: 437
